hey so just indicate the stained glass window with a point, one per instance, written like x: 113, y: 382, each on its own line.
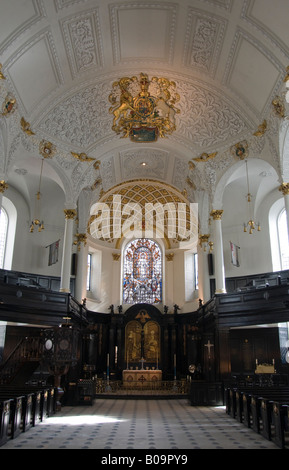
x: 142, y: 272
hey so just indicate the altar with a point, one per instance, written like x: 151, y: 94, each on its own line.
x: 142, y: 378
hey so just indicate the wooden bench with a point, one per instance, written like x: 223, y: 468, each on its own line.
x: 238, y: 400
x: 280, y: 424
x: 5, y: 406
x: 265, y: 410
x: 22, y: 408
x: 273, y: 424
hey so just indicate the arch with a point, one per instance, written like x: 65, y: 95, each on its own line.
x: 276, y: 209
x: 238, y: 171
x: 158, y: 210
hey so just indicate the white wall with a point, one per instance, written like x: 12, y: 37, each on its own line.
x: 30, y: 252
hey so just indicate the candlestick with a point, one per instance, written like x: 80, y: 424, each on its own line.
x: 175, y: 367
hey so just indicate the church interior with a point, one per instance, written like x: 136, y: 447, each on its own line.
x: 144, y: 195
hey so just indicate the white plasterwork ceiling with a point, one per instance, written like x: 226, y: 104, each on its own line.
x: 60, y: 58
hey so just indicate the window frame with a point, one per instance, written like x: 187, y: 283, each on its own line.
x: 5, y: 236
x: 282, y: 213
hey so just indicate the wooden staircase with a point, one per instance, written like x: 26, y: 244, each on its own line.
x: 22, y: 362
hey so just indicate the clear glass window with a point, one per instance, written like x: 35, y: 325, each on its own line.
x: 88, y: 277
x: 283, y: 239
x: 3, y: 235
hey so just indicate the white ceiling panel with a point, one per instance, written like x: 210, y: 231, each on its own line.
x: 253, y: 75
x: 61, y: 59
x: 265, y: 14
x: 142, y: 33
x: 34, y: 74
x: 15, y: 17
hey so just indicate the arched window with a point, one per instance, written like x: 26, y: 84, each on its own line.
x: 142, y: 272
x: 283, y: 239
x: 3, y: 235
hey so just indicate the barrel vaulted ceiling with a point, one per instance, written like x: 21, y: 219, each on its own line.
x: 60, y: 58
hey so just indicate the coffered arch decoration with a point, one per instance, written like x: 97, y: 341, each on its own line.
x: 176, y: 216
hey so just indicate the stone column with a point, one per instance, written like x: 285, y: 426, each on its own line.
x: 284, y: 188
x: 70, y: 214
x: 219, y: 255
x: 116, y: 295
x: 168, y: 295
x: 81, y: 272
x: 203, y: 271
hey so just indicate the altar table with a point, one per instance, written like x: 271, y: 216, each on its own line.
x: 141, y: 378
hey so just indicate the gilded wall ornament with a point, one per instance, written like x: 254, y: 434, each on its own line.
x: 3, y: 186
x: 9, y: 105
x: 82, y: 157
x: 47, y: 149
x: 205, y: 157
x: 96, y: 165
x: 240, y: 150
x: 261, y: 129
x: 26, y: 127
x: 278, y: 107
x: 286, y: 78
x: 2, y: 77
x: 144, y: 109
x: 284, y: 189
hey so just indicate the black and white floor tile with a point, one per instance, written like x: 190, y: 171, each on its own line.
x: 140, y: 424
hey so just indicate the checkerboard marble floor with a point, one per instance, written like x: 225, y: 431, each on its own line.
x: 140, y: 424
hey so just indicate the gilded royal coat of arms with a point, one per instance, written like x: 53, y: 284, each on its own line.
x: 144, y: 109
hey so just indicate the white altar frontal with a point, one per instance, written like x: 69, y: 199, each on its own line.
x: 142, y: 378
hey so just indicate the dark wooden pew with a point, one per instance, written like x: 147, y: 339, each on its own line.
x: 24, y: 407
x: 238, y: 400
x: 22, y: 410
x: 280, y: 424
x: 16, y: 415
x: 4, y: 420
x: 265, y: 410
x: 274, y: 424
x: 261, y: 409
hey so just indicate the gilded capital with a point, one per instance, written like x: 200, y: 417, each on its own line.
x: 217, y: 214
x: 70, y: 213
x: 170, y: 256
x: 116, y: 256
x: 203, y: 239
x: 3, y: 186
x: 284, y: 188
x: 81, y: 238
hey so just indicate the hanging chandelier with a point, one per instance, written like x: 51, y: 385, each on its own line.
x: 250, y: 225
x: 37, y: 222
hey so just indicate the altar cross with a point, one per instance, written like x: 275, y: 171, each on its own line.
x: 209, y: 345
